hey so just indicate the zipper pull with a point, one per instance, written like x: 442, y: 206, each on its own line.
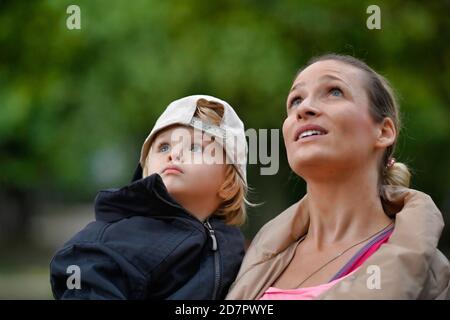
x: 211, y: 233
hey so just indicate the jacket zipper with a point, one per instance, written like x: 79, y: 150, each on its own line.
x: 214, y: 247
x: 216, y: 259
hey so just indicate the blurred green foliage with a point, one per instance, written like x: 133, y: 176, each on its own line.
x: 75, y: 105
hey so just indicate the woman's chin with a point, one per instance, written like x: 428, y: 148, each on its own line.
x: 302, y: 162
x: 305, y: 167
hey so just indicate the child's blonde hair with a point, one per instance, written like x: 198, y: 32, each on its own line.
x: 234, y: 189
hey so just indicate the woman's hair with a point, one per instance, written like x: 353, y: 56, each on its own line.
x: 383, y: 103
x: 233, y: 191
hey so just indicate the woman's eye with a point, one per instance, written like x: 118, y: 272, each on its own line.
x: 336, y: 92
x: 164, y: 147
x: 295, y: 102
x: 196, y: 147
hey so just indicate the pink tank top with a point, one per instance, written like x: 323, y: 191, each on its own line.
x: 310, y: 293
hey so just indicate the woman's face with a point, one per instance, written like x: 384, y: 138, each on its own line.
x: 329, y: 94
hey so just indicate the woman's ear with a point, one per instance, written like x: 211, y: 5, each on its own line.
x: 386, y: 133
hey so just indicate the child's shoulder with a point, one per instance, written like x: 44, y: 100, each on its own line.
x: 148, y: 231
x: 137, y: 238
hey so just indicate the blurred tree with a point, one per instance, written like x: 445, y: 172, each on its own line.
x: 75, y: 105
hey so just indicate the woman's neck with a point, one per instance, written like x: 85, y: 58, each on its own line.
x: 344, y: 210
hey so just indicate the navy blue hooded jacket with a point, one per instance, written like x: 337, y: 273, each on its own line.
x: 144, y: 245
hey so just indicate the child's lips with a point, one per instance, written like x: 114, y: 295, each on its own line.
x: 172, y: 169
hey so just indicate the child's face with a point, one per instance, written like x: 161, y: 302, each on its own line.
x: 192, y: 172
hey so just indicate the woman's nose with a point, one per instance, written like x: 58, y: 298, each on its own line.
x: 305, y: 110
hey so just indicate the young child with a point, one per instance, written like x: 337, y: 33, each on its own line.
x: 171, y: 233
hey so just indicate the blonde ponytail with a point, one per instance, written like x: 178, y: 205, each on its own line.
x: 397, y: 175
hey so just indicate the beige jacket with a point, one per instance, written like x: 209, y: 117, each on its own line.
x: 410, y: 265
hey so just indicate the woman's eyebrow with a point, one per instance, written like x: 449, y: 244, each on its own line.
x: 331, y: 77
x: 322, y: 79
x: 296, y: 86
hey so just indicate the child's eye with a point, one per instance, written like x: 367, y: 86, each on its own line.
x: 195, y: 147
x: 163, y: 147
x: 336, y: 92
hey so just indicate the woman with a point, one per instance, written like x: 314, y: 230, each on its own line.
x: 359, y: 232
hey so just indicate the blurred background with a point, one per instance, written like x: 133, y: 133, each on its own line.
x: 76, y: 105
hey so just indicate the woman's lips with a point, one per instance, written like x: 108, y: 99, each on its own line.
x: 309, y: 127
x: 309, y: 138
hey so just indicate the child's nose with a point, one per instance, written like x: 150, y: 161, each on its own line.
x: 176, y: 154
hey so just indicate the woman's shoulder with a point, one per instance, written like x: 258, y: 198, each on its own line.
x: 438, y: 283
x: 280, y: 232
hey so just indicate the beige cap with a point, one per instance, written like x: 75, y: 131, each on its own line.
x: 230, y: 132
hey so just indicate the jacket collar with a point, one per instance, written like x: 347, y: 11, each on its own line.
x: 407, y: 259
x: 412, y: 209
x: 143, y: 197
x: 407, y: 255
